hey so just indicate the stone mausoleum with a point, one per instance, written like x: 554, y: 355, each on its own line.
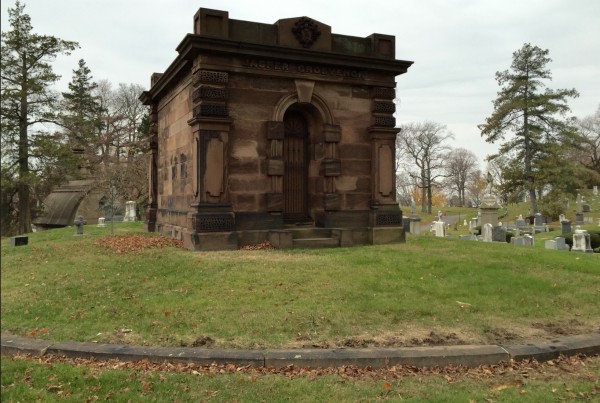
x: 279, y: 132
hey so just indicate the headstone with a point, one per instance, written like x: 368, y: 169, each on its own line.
x: 582, y: 242
x: 578, y: 218
x: 566, y: 226
x: 101, y: 222
x: 473, y: 223
x: 19, y: 240
x: 586, y: 208
x: 520, y: 222
x: 465, y: 223
x: 79, y: 222
x: 539, y: 223
x: 562, y: 218
x: 517, y: 241
x: 487, y: 232
x: 595, y: 191
x: 129, y: 211
x: 439, y: 215
x: 415, y: 225
x: 499, y: 234
x: 439, y: 227
x: 579, y: 204
x: 528, y: 240
x: 557, y: 243
x: 467, y: 237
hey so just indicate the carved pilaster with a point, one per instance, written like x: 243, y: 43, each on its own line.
x: 383, y: 156
x: 331, y: 167
x: 275, y: 168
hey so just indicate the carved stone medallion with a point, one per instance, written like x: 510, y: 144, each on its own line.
x: 306, y: 32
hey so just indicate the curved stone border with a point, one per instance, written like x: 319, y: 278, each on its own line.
x: 438, y: 356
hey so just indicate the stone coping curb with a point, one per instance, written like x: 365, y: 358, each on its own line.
x: 436, y: 356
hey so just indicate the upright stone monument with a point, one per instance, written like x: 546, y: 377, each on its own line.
x: 487, y: 232
x: 415, y: 220
x: 582, y: 242
x: 489, y: 205
x: 579, y: 211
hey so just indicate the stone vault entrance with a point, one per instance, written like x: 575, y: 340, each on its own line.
x: 295, y: 160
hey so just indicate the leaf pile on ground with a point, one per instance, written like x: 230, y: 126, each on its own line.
x: 135, y: 242
x: 519, y: 371
x: 259, y: 246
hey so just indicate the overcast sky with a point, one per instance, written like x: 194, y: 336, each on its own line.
x: 457, y: 45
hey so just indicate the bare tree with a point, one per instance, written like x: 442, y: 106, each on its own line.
x: 588, y: 153
x: 460, y: 165
x: 421, y: 149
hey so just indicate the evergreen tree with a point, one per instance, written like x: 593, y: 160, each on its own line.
x: 82, y: 109
x: 26, y: 99
x: 530, y: 112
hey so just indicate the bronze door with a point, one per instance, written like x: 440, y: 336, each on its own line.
x: 295, y: 183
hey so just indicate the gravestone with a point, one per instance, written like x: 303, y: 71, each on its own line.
x: 579, y: 210
x: 439, y: 227
x: 406, y: 223
x: 130, y: 214
x: 19, y: 240
x: 557, y: 243
x: 595, y: 191
x: 101, y: 222
x: 487, y: 232
x: 499, y: 234
x: 520, y: 222
x: 415, y: 225
x: 528, y: 240
x: 562, y: 218
x: 467, y: 237
x: 79, y: 223
x: 539, y: 223
x: 565, y: 226
x: 582, y: 242
x: 517, y: 241
x: 473, y: 223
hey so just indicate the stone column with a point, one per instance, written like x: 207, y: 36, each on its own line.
x: 151, y: 213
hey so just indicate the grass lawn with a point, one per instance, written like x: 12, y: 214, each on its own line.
x: 426, y: 291
x: 51, y: 379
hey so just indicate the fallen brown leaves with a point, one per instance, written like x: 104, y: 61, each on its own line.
x: 258, y: 246
x: 518, y: 370
x: 133, y: 242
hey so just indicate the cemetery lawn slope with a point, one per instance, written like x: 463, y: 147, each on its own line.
x: 426, y: 291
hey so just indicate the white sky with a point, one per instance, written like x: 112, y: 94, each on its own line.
x: 457, y: 45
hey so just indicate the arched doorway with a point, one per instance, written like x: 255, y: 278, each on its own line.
x: 295, y: 177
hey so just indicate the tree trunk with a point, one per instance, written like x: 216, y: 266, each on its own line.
x: 24, y: 220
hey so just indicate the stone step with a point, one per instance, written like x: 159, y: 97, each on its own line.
x: 311, y: 232
x: 316, y: 243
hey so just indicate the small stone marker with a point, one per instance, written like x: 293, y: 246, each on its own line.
x: 499, y: 234
x: 19, y: 240
x: 557, y: 243
x: 566, y: 226
x: 101, y: 222
x: 528, y: 240
x: 520, y: 222
x: 487, y: 232
x: 79, y: 222
x: 539, y: 224
x: 415, y: 225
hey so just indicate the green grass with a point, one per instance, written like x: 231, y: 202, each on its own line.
x: 29, y: 380
x: 62, y: 287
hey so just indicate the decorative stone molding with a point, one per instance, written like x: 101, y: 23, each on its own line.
x: 306, y: 32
